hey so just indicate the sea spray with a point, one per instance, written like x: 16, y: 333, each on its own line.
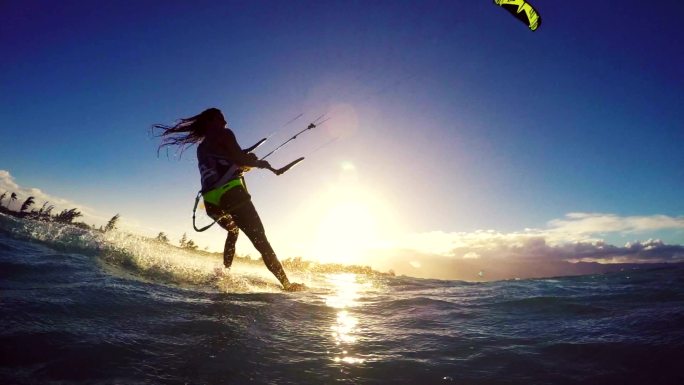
x: 59, y: 236
x: 146, y: 258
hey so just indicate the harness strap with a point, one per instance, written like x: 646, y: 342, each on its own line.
x: 214, y: 197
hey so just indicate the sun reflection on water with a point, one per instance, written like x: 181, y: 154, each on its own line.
x: 344, y: 328
x: 344, y: 297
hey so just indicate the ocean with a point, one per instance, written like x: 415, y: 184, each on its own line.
x: 82, y: 307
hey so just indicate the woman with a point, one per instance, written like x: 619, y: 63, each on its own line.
x: 222, y: 162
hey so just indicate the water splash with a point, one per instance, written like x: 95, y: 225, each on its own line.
x: 144, y: 258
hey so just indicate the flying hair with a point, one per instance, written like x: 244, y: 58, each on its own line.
x: 186, y: 132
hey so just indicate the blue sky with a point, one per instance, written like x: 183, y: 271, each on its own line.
x: 453, y: 117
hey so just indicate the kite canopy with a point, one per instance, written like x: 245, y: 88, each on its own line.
x: 523, y: 11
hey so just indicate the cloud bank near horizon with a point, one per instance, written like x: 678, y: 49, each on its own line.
x: 574, y: 238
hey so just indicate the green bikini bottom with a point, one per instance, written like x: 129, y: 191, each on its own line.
x: 214, y: 196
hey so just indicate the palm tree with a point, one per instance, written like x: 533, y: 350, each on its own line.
x: 161, y: 237
x: 111, y: 225
x: 27, y: 203
x: 42, y: 210
x: 48, y: 211
x: 190, y: 244
x: 13, y: 198
x: 67, y: 216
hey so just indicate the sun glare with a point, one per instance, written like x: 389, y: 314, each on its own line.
x: 348, y: 221
x: 347, y: 229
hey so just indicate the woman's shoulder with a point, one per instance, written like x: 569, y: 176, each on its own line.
x: 219, y: 133
x: 218, y: 141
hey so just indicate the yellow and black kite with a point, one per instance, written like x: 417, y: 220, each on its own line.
x: 523, y: 11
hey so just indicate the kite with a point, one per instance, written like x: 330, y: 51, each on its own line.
x: 521, y: 10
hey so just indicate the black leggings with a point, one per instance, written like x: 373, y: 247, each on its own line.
x: 246, y: 218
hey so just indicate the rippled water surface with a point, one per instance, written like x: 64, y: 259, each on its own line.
x: 74, y: 310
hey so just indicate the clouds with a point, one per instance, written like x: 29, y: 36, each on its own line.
x: 536, y: 249
x: 7, y: 183
x: 576, y: 237
x: 586, y: 224
x: 566, y: 247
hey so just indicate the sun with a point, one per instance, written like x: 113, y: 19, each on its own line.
x: 347, y: 229
x: 345, y: 221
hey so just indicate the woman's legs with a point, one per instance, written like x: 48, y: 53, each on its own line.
x: 225, y: 221
x: 229, y: 248
x: 247, y: 219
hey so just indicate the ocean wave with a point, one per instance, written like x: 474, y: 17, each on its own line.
x: 136, y: 257
x: 133, y: 311
x: 548, y: 304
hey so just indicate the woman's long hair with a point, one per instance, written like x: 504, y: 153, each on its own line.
x: 187, y: 131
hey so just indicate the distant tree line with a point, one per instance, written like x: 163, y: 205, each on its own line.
x: 298, y: 263
x: 184, y: 242
x: 66, y: 216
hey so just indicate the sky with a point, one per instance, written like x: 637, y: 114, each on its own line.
x: 455, y: 132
